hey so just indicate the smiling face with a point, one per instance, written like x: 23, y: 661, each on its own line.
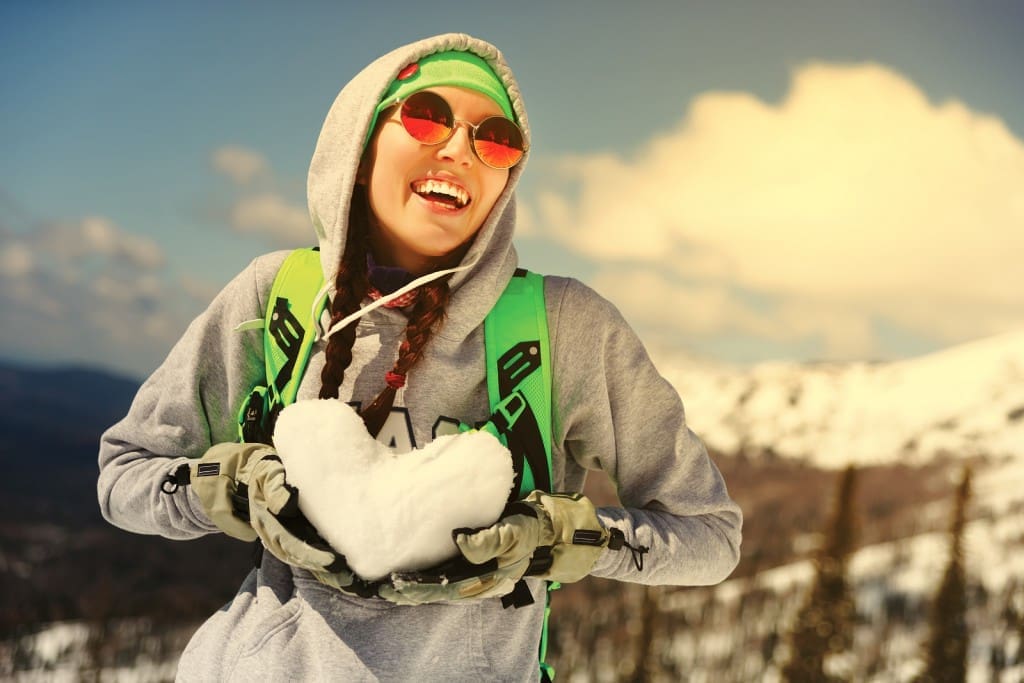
x: 428, y: 201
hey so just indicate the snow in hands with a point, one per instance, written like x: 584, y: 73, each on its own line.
x: 382, y: 510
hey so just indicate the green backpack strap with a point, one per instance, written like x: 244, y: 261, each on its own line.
x: 519, y: 378
x: 289, y: 326
x: 519, y: 388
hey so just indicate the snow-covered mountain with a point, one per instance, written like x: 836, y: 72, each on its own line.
x: 963, y: 401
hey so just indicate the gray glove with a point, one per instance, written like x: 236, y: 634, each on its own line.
x: 559, y: 532
x: 220, y: 480
x: 243, y: 489
x: 553, y: 536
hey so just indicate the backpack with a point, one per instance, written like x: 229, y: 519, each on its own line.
x: 517, y: 351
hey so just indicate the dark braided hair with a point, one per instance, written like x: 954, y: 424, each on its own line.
x: 352, y: 285
x: 426, y: 316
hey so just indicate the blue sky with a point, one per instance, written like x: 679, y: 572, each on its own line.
x: 786, y: 239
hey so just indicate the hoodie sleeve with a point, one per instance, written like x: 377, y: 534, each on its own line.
x: 617, y: 414
x: 188, y: 404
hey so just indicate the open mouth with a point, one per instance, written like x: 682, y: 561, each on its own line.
x: 442, y: 192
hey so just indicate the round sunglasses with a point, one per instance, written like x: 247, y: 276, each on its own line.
x: 428, y: 118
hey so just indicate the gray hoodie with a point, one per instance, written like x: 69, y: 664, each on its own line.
x: 612, y: 411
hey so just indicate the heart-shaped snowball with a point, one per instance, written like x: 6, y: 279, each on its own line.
x: 385, y: 511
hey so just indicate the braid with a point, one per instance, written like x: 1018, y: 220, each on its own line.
x: 427, y: 314
x: 350, y: 286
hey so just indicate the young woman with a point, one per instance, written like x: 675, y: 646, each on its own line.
x: 413, y: 176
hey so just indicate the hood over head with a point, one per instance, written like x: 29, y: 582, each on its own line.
x: 332, y: 176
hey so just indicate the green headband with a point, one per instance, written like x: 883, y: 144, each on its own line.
x: 461, y: 69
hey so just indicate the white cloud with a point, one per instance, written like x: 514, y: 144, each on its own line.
x: 240, y: 164
x: 96, y: 237
x: 853, y: 197
x: 259, y: 203
x: 99, y: 235
x: 15, y: 260
x: 271, y: 215
x: 87, y: 291
x: 526, y: 222
x: 200, y: 291
x: 693, y: 310
x: 696, y: 308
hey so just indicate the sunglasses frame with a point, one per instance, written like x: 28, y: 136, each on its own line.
x: 455, y: 124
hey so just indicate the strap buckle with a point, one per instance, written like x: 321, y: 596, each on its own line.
x: 506, y: 413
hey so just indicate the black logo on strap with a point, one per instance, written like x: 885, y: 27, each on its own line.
x: 288, y: 333
x: 524, y: 440
x: 517, y: 364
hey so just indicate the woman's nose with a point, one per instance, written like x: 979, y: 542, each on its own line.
x: 459, y: 147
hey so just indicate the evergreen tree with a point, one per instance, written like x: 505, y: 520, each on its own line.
x: 945, y: 652
x: 824, y: 625
x: 647, y: 658
x: 1019, y: 620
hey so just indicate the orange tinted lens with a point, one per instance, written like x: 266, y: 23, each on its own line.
x: 498, y: 142
x: 427, y: 118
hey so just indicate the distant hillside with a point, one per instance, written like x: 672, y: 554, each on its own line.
x: 58, y: 558
x: 50, y: 423
x: 87, y: 395
x: 965, y: 401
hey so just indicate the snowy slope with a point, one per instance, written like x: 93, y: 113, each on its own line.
x: 893, y: 584
x: 963, y: 401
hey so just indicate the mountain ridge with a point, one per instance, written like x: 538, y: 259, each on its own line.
x: 963, y: 401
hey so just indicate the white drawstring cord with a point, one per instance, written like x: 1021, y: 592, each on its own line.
x: 418, y: 282
x: 317, y: 319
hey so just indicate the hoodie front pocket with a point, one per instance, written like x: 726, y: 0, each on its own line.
x: 275, y: 622
x: 300, y: 644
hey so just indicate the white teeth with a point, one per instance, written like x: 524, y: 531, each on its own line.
x: 442, y: 187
